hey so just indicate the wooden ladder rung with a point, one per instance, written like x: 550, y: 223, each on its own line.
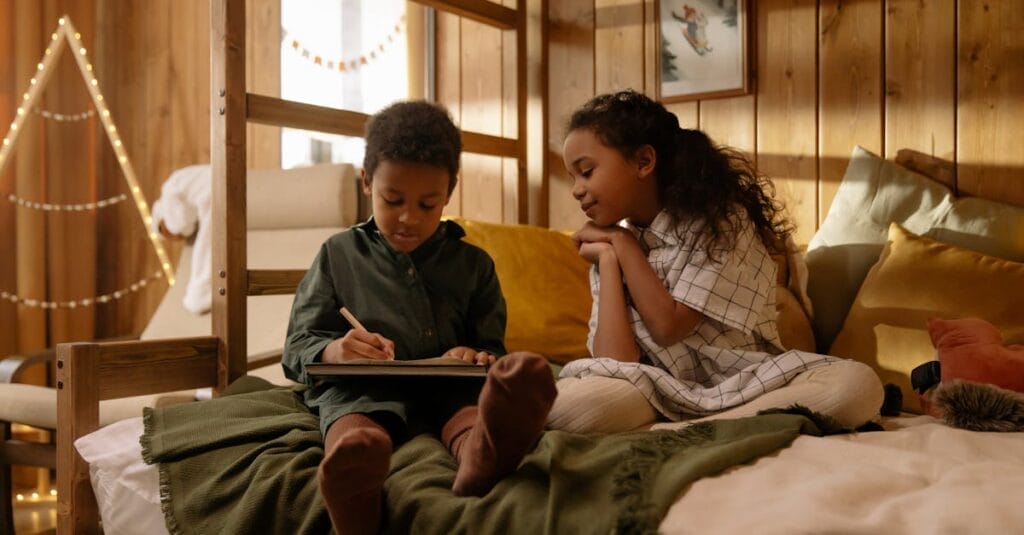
x: 275, y: 111
x: 483, y: 11
x: 274, y: 281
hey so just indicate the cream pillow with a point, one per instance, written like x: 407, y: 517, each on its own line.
x: 546, y: 287
x: 874, y: 193
x: 127, y: 489
x: 917, y: 278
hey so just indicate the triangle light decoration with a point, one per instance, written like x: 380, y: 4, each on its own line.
x: 66, y: 36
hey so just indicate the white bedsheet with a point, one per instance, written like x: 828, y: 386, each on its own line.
x: 925, y: 477
x: 920, y: 477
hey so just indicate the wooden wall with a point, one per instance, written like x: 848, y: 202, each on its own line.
x: 942, y: 77
x: 151, y: 58
x: 475, y: 80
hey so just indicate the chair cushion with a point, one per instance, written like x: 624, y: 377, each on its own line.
x: 36, y: 406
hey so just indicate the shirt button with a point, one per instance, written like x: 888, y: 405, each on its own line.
x: 428, y: 333
x: 411, y: 272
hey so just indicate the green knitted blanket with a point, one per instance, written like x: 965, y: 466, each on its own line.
x: 246, y: 463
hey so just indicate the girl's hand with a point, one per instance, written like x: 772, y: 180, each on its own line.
x: 359, y: 344
x: 470, y: 355
x: 595, y: 252
x: 593, y: 233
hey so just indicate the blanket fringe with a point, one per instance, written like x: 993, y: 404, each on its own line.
x: 165, y: 479
x: 630, y: 482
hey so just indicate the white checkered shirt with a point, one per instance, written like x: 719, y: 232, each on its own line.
x: 734, y: 354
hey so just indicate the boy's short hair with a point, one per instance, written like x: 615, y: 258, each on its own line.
x: 416, y: 132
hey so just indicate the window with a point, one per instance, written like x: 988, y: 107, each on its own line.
x: 350, y: 54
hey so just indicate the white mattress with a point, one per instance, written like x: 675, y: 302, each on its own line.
x: 924, y: 477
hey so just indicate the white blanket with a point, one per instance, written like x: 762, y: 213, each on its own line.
x: 184, y: 207
x: 924, y: 478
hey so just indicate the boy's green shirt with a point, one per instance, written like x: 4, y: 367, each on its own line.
x: 442, y: 295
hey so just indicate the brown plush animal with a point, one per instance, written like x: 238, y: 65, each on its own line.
x: 978, y: 381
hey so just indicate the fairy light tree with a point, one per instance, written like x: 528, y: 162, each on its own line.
x: 66, y: 37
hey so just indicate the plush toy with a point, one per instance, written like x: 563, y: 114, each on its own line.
x: 977, y: 382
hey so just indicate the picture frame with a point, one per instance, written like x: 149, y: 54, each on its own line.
x: 703, y: 49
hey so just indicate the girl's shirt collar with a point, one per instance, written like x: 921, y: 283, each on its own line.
x: 660, y: 233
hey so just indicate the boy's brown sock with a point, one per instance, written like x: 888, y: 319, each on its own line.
x: 514, y: 405
x: 454, y: 433
x: 356, y: 461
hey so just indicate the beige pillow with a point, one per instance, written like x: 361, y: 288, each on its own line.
x: 324, y: 195
x: 917, y: 278
x: 874, y: 193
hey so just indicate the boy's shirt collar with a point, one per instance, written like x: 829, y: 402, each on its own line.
x: 447, y: 229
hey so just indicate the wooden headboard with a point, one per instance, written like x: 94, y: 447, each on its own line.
x: 945, y: 172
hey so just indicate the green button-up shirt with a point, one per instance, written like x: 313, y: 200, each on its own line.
x: 443, y: 294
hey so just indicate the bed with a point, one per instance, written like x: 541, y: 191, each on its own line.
x: 920, y: 475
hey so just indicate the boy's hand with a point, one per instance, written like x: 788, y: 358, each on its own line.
x: 359, y: 344
x: 470, y: 355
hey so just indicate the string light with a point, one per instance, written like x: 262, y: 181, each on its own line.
x: 51, y: 207
x: 64, y: 117
x: 86, y: 302
x: 342, y: 64
x: 73, y: 39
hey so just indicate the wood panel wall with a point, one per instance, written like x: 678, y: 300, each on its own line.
x: 8, y: 103
x: 151, y: 59
x: 942, y: 77
x: 476, y: 79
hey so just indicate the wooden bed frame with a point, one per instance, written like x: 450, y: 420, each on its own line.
x: 90, y: 372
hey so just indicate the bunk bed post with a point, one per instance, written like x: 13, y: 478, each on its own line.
x: 533, y: 108
x: 522, y: 100
x: 78, y: 413
x: 228, y: 160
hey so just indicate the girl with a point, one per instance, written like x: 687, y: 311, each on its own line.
x: 683, y: 323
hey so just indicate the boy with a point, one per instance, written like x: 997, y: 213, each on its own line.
x: 420, y: 292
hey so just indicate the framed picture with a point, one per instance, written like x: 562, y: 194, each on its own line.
x: 704, y: 49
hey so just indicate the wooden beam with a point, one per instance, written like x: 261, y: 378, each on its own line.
x: 29, y: 453
x: 228, y: 161
x: 479, y: 10
x: 265, y: 358
x: 274, y: 281
x: 488, y: 144
x: 78, y: 414
x: 139, y: 367
x: 279, y: 112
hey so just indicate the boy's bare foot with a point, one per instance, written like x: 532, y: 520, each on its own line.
x: 514, y: 405
x: 352, y: 475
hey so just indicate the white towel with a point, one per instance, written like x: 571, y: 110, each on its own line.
x: 184, y: 205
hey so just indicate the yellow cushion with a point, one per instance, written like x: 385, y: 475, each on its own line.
x: 794, y: 326
x: 917, y: 278
x: 546, y: 287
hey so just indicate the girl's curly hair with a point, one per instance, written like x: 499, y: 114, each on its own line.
x: 695, y: 178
